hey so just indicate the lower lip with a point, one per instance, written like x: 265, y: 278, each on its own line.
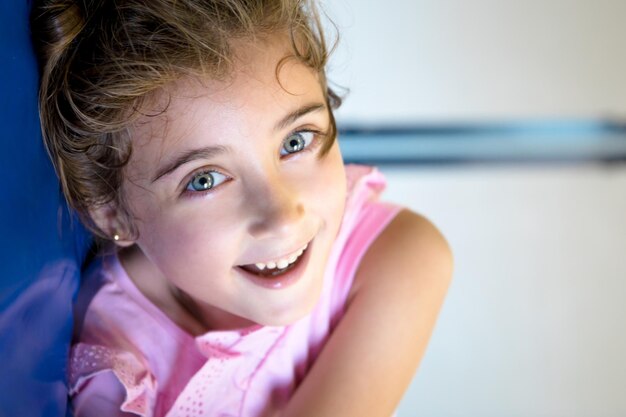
x: 284, y: 280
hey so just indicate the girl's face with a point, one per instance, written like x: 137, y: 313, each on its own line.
x: 229, y: 176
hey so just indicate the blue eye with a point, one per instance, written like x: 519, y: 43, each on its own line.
x: 205, y: 180
x: 296, y: 142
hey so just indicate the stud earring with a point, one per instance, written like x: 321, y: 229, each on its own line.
x: 116, y: 237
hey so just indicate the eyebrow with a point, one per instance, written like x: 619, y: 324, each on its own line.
x: 188, y: 156
x: 212, y: 151
x: 296, y: 114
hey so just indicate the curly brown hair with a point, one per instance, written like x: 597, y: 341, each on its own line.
x: 100, y: 61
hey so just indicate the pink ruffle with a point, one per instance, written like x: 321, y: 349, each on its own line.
x: 90, y: 360
x: 233, y: 358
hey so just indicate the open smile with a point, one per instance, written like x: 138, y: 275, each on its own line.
x: 277, y: 266
x: 281, y: 272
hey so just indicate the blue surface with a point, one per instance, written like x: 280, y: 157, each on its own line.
x: 39, y: 250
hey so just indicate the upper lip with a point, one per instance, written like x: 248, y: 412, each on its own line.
x: 282, y: 256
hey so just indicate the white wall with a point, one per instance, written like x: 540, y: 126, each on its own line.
x: 433, y: 60
x: 535, y: 319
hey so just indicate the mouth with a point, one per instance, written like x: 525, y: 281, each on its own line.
x: 279, y: 273
x: 276, y: 267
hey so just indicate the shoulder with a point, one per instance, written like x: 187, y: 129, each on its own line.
x: 410, y: 249
x: 399, y: 288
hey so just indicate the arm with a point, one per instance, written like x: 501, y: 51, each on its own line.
x: 373, y: 353
x: 102, y: 395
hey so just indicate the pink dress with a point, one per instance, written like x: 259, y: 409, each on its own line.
x: 131, y: 357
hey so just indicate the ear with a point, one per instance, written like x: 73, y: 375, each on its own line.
x: 108, y: 219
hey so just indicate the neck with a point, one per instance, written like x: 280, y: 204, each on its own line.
x: 193, y: 316
x: 210, y: 317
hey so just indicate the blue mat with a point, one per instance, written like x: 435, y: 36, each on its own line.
x: 41, y: 246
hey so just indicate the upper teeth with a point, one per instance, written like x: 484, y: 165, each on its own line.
x: 282, y: 262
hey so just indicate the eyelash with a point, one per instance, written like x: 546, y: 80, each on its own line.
x: 316, y: 142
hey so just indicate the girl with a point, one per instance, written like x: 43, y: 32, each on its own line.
x: 250, y: 273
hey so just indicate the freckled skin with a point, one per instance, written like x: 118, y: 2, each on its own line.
x: 189, y: 245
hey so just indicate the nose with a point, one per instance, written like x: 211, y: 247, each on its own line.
x: 277, y: 210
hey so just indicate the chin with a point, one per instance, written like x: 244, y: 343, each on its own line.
x: 289, y: 316
x: 292, y: 306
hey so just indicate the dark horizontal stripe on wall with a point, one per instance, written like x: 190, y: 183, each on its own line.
x: 569, y: 142
x: 557, y: 127
x: 497, y: 161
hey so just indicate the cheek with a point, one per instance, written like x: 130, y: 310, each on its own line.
x: 190, y: 243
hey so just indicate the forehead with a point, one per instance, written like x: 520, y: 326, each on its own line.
x: 264, y: 70
x: 265, y: 83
